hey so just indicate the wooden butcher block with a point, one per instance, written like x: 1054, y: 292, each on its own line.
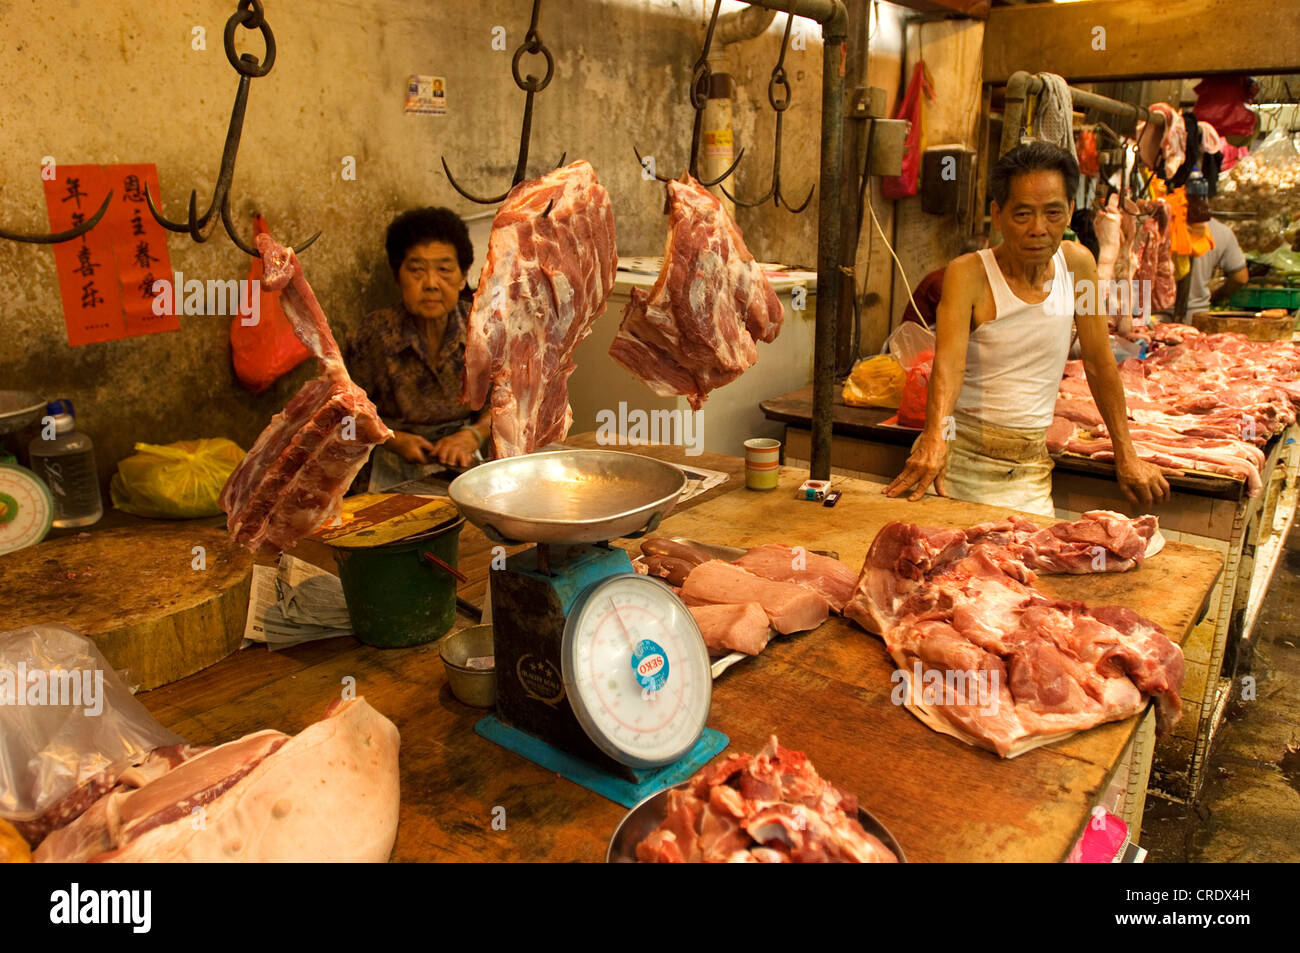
x: 137, y: 592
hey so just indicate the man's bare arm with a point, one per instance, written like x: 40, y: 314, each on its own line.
x: 1141, y: 482
x: 962, y: 287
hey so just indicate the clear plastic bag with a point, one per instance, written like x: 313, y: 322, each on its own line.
x: 908, y: 342
x: 48, y: 748
x: 178, y: 481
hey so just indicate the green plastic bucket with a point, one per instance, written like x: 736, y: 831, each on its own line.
x: 395, y: 596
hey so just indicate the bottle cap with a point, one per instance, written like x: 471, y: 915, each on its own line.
x: 61, y: 406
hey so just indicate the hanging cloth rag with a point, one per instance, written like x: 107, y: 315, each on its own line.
x: 1054, y: 113
x: 904, y: 186
x: 1211, y: 156
x: 1163, y: 154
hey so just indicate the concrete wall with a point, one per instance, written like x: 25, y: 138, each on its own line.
x: 116, y: 82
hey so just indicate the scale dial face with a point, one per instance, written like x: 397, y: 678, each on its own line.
x: 26, y: 508
x: 636, y: 670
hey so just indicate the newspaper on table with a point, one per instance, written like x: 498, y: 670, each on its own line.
x: 295, y: 602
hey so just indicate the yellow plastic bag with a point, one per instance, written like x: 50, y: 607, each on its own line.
x: 178, y: 481
x: 875, y: 382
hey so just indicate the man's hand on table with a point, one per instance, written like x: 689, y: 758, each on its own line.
x: 924, y: 466
x: 1142, y: 483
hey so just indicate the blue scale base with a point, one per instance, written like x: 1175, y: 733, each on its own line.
x: 618, y: 790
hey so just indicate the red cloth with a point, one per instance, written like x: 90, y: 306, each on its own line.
x: 1221, y: 101
x: 927, y: 294
x: 904, y: 186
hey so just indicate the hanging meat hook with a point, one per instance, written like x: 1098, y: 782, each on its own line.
x: 57, y: 237
x: 779, y: 106
x: 699, y: 99
x: 248, y: 14
x: 530, y: 84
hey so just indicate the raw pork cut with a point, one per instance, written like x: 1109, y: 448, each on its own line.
x: 789, y: 607
x: 550, y: 268
x: 829, y: 577
x: 294, y: 478
x: 695, y: 330
x: 733, y: 628
x: 987, y: 658
x: 769, y: 808
x: 1197, y: 402
x: 330, y: 793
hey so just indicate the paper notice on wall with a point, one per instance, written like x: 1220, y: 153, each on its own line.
x: 426, y: 95
x: 86, y: 268
x: 139, y: 245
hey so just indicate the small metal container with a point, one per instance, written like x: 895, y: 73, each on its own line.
x: 473, y: 686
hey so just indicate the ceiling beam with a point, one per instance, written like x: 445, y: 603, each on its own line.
x: 1142, y: 38
x: 976, y: 9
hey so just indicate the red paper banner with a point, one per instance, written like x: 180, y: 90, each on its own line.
x: 139, y: 245
x: 86, y: 266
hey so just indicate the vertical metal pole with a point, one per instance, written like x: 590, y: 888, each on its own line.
x: 829, y: 237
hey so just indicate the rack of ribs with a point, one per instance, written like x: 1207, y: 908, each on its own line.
x: 294, y: 478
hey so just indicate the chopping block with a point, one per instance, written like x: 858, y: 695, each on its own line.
x: 161, y: 602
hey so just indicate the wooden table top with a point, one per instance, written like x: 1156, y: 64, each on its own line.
x: 825, y: 692
x: 867, y: 423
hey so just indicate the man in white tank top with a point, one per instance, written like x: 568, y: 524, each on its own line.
x: 1002, y: 336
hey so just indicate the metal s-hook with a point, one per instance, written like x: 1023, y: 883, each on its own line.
x: 699, y: 97
x: 65, y: 236
x: 250, y: 15
x: 531, y: 85
x: 779, y: 106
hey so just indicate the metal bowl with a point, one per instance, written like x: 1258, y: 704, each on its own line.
x: 17, y: 409
x: 473, y: 686
x: 568, y: 496
x: 641, y: 821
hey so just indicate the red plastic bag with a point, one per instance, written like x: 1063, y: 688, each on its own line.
x: 911, y: 409
x: 262, y: 352
x: 904, y: 186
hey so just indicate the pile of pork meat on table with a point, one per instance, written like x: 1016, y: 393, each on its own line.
x: 1204, y: 402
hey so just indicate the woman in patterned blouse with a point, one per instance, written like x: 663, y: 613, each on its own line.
x: 410, y: 359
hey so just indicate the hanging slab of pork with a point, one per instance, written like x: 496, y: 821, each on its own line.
x: 294, y: 478
x: 550, y: 268
x: 695, y: 330
x: 330, y: 793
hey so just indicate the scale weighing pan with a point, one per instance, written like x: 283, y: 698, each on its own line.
x: 641, y: 821
x: 18, y: 409
x: 568, y: 496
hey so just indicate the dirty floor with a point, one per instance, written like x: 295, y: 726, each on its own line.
x: 1249, y: 806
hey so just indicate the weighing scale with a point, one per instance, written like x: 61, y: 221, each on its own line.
x: 26, y: 507
x: 602, y: 674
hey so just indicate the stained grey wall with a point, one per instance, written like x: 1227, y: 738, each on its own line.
x: 114, y: 82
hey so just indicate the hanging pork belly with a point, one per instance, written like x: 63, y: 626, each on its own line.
x: 696, y: 329
x: 550, y: 268
x: 294, y: 478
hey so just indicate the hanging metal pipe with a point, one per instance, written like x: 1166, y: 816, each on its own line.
x: 1021, y: 84
x: 834, y: 18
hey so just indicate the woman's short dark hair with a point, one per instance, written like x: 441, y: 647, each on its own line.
x: 1032, y: 157
x: 422, y: 225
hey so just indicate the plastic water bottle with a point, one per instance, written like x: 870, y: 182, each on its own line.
x: 66, y: 462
